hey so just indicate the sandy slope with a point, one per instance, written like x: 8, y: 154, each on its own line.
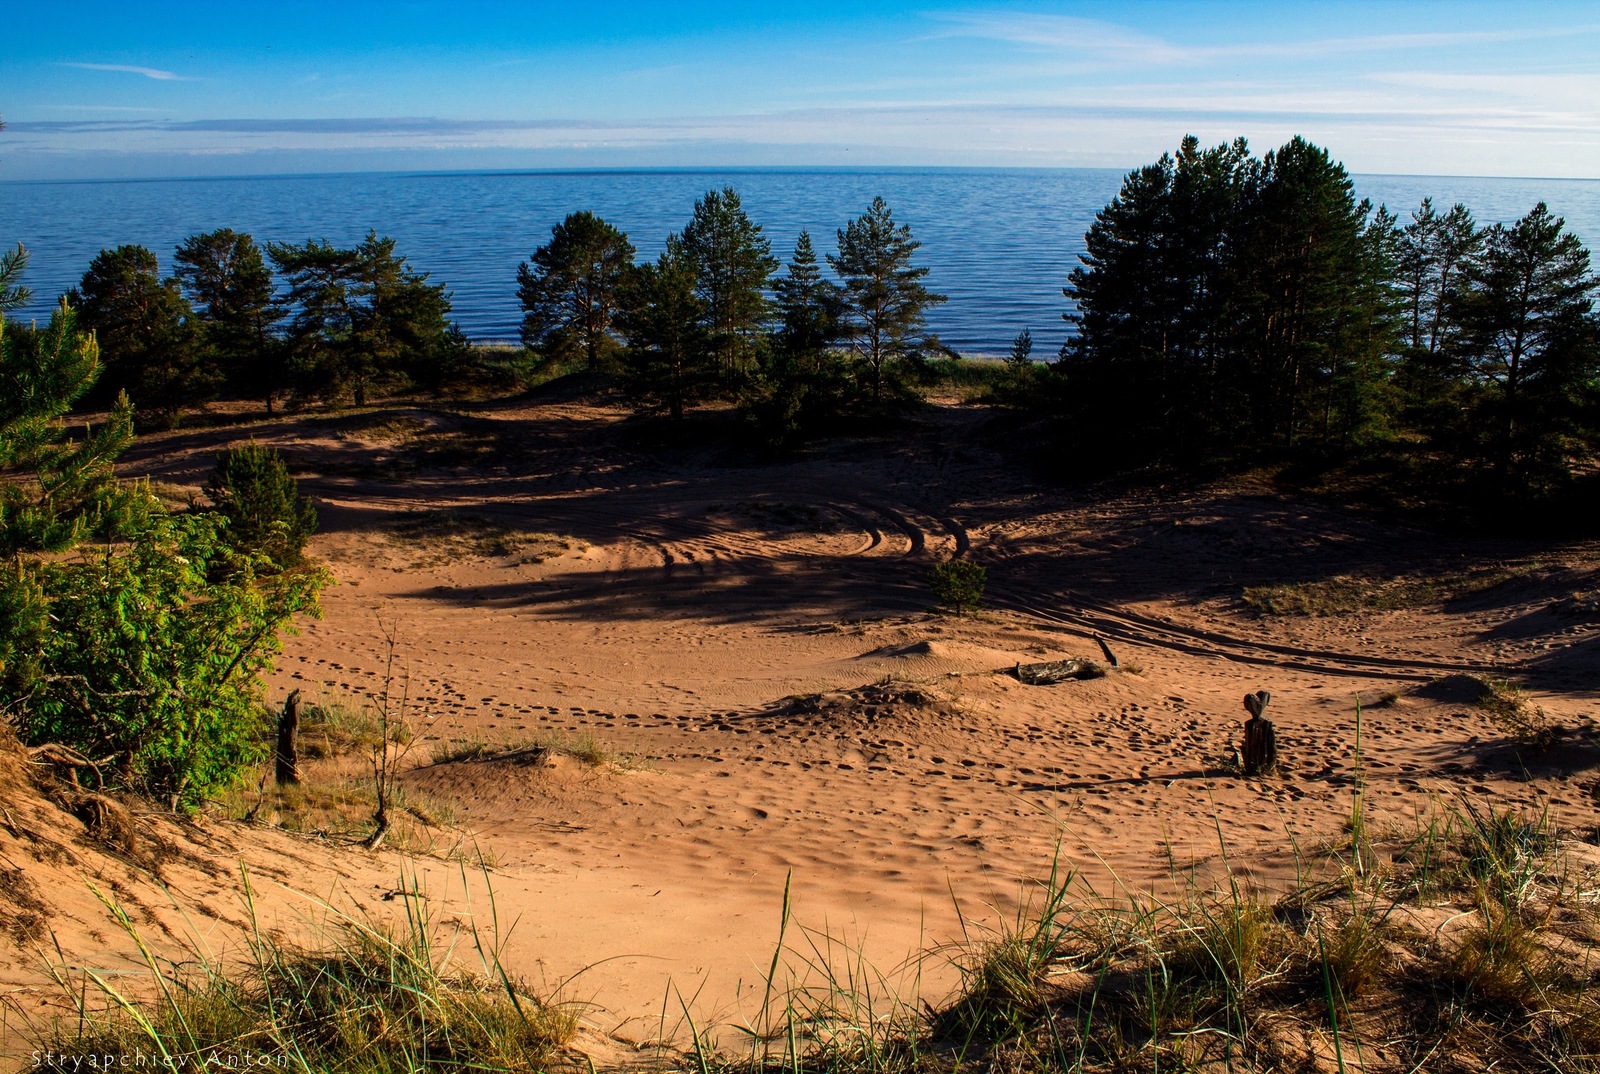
x: 567, y: 577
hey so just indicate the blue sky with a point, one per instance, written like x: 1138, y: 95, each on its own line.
x: 92, y: 90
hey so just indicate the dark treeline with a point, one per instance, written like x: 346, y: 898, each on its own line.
x: 714, y: 317
x: 332, y: 324
x: 1230, y: 311
x: 1239, y: 311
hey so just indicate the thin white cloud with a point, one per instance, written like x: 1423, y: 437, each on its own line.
x: 1110, y: 42
x: 1103, y: 39
x: 99, y: 108
x: 129, y: 69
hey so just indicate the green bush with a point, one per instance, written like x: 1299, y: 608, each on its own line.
x: 958, y: 585
x: 266, y: 514
x: 152, y: 656
x: 144, y: 652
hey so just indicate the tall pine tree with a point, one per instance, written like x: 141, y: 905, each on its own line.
x: 569, y: 290
x: 1529, y: 343
x: 230, y: 287
x: 885, y: 300
x: 733, y: 263
x: 669, y: 362
x: 146, y: 333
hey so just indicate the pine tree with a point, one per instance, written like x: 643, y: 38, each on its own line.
x: 808, y: 305
x: 230, y: 286
x: 663, y: 317
x: 1021, y: 351
x: 802, y: 381
x: 733, y: 263
x: 1434, y: 251
x: 1529, y: 342
x: 569, y: 290
x: 361, y: 319
x: 145, y: 330
x: 1307, y: 293
x: 62, y: 490
x: 252, y: 488
x: 885, y: 301
x: 12, y: 294
x: 1231, y: 306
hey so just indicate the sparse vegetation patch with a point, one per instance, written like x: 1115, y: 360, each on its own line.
x: 443, y: 536
x: 370, y: 998
x: 1344, y: 595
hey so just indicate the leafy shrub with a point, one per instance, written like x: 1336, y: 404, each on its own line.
x: 252, y: 489
x: 148, y: 650
x: 153, y: 653
x: 958, y: 585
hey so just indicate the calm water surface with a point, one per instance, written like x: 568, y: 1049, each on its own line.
x: 998, y: 242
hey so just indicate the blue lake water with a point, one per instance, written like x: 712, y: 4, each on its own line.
x: 998, y: 242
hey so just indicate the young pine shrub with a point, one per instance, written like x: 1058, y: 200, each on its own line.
x: 958, y: 585
x: 251, y: 488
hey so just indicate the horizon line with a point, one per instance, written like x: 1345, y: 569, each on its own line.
x: 704, y: 169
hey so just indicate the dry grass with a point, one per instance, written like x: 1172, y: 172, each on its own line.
x: 1348, y: 972
x: 369, y: 996
x: 582, y: 747
x: 440, y: 537
x: 1345, y: 594
x: 1524, y: 722
x: 1449, y: 960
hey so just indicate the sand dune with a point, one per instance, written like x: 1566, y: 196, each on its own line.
x: 757, y: 643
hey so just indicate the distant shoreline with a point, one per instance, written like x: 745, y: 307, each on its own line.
x: 731, y: 169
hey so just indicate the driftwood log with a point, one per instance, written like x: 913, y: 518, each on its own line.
x: 1048, y: 674
x: 1260, y: 753
x: 288, y: 756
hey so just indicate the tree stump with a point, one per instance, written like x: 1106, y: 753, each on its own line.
x: 1260, y: 753
x: 288, y: 758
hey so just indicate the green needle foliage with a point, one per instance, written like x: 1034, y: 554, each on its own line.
x: 958, y: 585
x: 266, y: 514
x: 669, y: 364
x: 147, y: 333
x: 570, y: 289
x: 885, y: 301
x: 12, y: 294
x: 230, y: 286
x: 732, y: 263
x: 362, y: 321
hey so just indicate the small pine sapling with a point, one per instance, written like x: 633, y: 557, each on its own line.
x: 958, y: 585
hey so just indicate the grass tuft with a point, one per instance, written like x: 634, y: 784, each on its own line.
x: 373, y: 997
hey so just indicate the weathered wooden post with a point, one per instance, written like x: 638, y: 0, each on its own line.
x: 1260, y: 753
x: 288, y: 767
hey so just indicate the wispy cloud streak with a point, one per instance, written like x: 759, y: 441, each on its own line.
x: 129, y: 69
x: 1113, y: 43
